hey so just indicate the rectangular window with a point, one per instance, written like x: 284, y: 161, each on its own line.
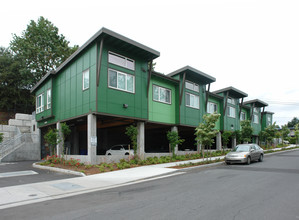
x: 212, y: 107
x: 243, y: 116
x: 48, y: 98
x: 121, y: 81
x: 121, y: 61
x: 85, y: 79
x: 256, y: 110
x: 231, y: 112
x: 40, y: 103
x: 192, y: 86
x: 161, y: 94
x: 192, y: 100
x: 231, y: 101
x: 269, y: 119
x: 255, y: 119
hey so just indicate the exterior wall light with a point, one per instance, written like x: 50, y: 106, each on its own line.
x: 125, y: 105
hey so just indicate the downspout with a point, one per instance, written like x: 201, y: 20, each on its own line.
x: 99, y: 69
x: 262, y: 114
x: 241, y: 108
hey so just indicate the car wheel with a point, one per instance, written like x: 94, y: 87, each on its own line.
x: 126, y: 154
x: 228, y: 163
x: 109, y: 154
x: 261, y: 158
x: 248, y: 160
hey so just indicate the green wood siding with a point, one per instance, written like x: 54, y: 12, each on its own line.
x: 68, y: 98
x: 110, y: 100
x: 43, y: 90
x: 163, y: 112
x: 219, y: 111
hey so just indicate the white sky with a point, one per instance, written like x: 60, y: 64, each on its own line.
x: 252, y: 45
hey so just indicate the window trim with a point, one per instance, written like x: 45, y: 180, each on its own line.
x: 194, y: 96
x: 255, y: 116
x: 49, y: 101
x: 228, y: 115
x: 41, y: 108
x: 208, y: 107
x: 231, y: 101
x: 193, y: 84
x: 242, y: 113
x: 83, y: 74
x: 124, y: 57
x: 161, y: 87
x: 116, y: 88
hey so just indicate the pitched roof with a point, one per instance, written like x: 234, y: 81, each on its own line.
x: 203, y: 77
x: 114, y: 38
x: 232, y: 92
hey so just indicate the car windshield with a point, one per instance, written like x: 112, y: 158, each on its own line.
x: 241, y: 148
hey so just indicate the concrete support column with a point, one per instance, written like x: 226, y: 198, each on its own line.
x: 140, y: 140
x: 234, y: 142
x: 176, y: 149
x: 59, y: 145
x: 257, y: 140
x: 218, y: 141
x: 92, y: 138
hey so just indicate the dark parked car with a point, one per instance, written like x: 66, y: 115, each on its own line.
x: 245, y: 153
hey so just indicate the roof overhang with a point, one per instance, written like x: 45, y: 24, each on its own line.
x: 232, y: 92
x: 110, y: 37
x: 267, y: 112
x: 203, y: 77
x: 163, y: 76
x: 257, y: 103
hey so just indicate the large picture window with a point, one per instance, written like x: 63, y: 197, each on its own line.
x: 231, y: 112
x: 121, y: 61
x: 161, y: 94
x: 121, y: 81
x: 85, y: 79
x: 231, y: 101
x: 192, y: 100
x: 48, y: 98
x: 212, y: 107
x: 40, y: 103
x: 243, y: 116
x: 255, y: 119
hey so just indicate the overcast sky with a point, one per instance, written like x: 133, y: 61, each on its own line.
x: 252, y: 45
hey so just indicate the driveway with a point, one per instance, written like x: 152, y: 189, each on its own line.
x: 18, y: 173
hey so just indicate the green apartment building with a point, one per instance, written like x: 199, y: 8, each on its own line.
x: 108, y: 84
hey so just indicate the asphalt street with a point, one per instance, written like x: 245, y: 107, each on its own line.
x: 267, y: 190
x: 18, y: 173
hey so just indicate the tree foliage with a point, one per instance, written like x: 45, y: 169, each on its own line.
x: 1, y: 137
x: 52, y: 139
x: 132, y: 132
x: 205, y: 132
x: 40, y: 48
x: 246, y: 131
x: 297, y: 133
x: 225, y: 137
x: 174, y: 139
x: 284, y: 132
x: 14, y: 95
x: 269, y: 134
x: 293, y: 122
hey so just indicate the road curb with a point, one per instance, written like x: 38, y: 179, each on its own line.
x: 55, y: 169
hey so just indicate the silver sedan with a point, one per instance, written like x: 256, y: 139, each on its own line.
x: 245, y: 153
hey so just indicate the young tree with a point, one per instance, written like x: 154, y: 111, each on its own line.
x: 65, y: 131
x: 1, y: 137
x: 174, y: 139
x: 246, y: 131
x: 41, y: 49
x: 297, y: 133
x: 225, y: 138
x: 284, y: 132
x: 52, y: 138
x: 205, y: 132
x: 132, y: 133
x: 269, y: 133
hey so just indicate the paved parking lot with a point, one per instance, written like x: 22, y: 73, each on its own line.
x: 17, y: 173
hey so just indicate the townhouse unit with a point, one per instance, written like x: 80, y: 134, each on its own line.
x: 109, y: 84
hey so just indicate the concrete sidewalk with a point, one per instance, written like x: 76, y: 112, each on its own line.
x: 37, y: 192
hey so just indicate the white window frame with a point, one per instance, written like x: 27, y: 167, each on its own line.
x: 125, y: 59
x: 40, y: 106
x: 49, y: 98
x: 195, y: 96
x: 84, y: 74
x: 231, y: 101
x: 256, y: 110
x: 230, y: 113
x: 255, y: 119
x: 269, y: 118
x: 126, y: 85
x: 215, y: 106
x: 160, y: 91
x: 192, y: 86
x: 243, y: 116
